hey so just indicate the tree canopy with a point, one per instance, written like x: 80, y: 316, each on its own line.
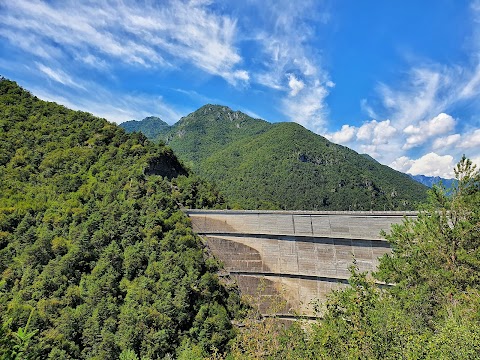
x: 94, y: 252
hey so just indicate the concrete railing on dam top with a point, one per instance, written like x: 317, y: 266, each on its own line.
x: 302, y: 255
x: 341, y: 224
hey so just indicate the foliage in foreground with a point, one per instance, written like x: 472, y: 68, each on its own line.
x: 92, y: 239
x: 432, y: 311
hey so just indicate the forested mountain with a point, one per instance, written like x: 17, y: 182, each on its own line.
x: 275, y: 166
x: 150, y: 126
x: 93, y: 247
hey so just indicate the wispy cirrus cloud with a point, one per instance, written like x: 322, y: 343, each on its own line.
x: 167, y: 35
x: 288, y: 62
x: 145, y: 35
x: 97, y: 55
x: 116, y: 107
x: 419, y: 113
x: 59, y: 76
x: 430, y: 88
x: 308, y: 107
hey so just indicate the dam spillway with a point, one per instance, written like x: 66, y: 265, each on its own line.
x: 298, y: 255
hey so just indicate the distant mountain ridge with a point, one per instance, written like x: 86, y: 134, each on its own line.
x: 430, y: 181
x: 257, y: 164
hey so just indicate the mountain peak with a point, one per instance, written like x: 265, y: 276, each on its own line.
x: 216, y: 113
x: 149, y: 126
x: 211, y: 108
x: 153, y: 118
x: 223, y: 119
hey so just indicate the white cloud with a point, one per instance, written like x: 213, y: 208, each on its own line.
x: 294, y: 84
x: 445, y: 142
x: 288, y: 63
x: 419, y: 104
x: 438, y: 125
x: 403, y: 164
x: 419, y: 134
x: 428, y: 90
x: 371, y: 150
x: 168, y: 35
x: 471, y: 140
x: 379, y: 139
x: 418, y: 110
x: 343, y: 136
x: 368, y: 109
x: 369, y: 136
x: 269, y: 80
x: 471, y: 88
x: 30, y: 44
x: 163, y: 36
x: 476, y: 161
x: 415, y: 101
x: 93, y: 61
x: 430, y: 164
x: 376, y: 132
x: 115, y: 107
x: 365, y: 131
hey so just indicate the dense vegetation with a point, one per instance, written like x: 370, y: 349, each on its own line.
x: 431, y: 310
x: 94, y: 252
x: 276, y: 166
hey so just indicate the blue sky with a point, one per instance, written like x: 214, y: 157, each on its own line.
x: 399, y: 80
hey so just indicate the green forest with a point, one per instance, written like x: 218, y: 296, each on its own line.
x: 97, y: 260
x: 259, y: 165
x: 94, y: 252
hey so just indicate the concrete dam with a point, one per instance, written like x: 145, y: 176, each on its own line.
x: 298, y: 255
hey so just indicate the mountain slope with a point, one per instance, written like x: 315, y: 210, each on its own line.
x: 92, y: 243
x: 275, y: 166
x: 293, y: 168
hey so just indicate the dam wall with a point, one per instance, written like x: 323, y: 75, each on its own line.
x: 299, y: 256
